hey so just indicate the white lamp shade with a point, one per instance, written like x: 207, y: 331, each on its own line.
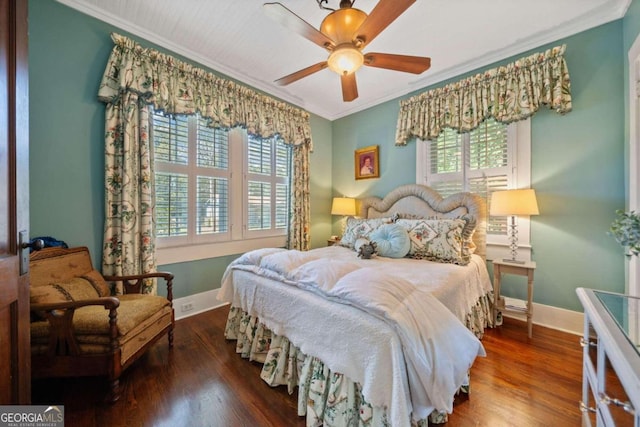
x: 343, y: 206
x: 514, y: 202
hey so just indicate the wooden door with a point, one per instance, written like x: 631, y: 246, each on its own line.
x: 15, y: 358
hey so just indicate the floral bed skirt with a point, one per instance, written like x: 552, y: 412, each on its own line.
x: 324, y: 397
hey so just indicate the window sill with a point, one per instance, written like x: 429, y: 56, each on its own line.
x: 176, y: 254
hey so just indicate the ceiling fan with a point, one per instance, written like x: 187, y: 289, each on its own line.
x: 344, y: 33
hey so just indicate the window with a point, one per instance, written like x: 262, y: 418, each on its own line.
x: 218, y: 191
x: 493, y: 157
x: 268, y: 165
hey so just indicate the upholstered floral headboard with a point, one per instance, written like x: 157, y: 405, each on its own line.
x: 420, y: 201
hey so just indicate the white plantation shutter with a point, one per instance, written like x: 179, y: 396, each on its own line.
x: 283, y: 159
x: 192, y: 190
x: 489, y: 167
x: 484, y: 186
x: 482, y: 161
x: 212, y: 190
x: 259, y: 155
x: 283, y: 170
x: 170, y: 139
x: 259, y: 196
x: 212, y: 146
x: 172, y: 204
x: 446, y: 163
x: 171, y: 153
x: 268, y: 167
x: 199, y: 198
x: 282, y: 206
x: 212, y: 205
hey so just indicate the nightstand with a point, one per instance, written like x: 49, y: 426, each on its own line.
x: 501, y: 267
x: 333, y: 241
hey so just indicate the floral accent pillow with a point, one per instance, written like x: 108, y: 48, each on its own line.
x: 438, y: 240
x: 360, y: 227
x: 467, y: 231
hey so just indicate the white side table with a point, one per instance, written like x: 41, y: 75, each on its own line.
x: 501, y: 267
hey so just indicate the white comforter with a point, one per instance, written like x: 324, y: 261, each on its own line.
x: 433, y: 346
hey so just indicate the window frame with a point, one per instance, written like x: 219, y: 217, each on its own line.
x: 236, y: 239
x: 519, y: 155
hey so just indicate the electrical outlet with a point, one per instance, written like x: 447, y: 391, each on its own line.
x: 187, y: 307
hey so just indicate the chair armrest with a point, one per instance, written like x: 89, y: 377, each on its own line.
x: 133, y: 282
x: 163, y: 274
x: 108, y: 303
x: 62, y: 339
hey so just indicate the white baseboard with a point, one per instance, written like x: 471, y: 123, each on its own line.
x: 543, y: 315
x: 195, y: 304
x: 551, y: 317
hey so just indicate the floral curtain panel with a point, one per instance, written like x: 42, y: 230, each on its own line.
x: 128, y: 233
x: 135, y: 77
x: 300, y: 211
x: 508, y: 93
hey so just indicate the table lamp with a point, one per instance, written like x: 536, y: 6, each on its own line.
x: 344, y: 206
x: 512, y: 203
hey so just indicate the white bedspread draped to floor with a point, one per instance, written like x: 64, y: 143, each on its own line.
x: 324, y: 397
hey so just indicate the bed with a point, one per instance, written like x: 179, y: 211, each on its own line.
x: 382, y: 341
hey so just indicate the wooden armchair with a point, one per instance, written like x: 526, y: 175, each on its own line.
x: 79, y: 329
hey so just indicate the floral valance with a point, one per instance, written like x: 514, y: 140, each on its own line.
x: 177, y: 87
x: 508, y: 93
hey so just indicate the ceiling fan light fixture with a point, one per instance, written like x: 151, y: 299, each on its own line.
x: 344, y: 33
x: 345, y: 59
x: 341, y: 25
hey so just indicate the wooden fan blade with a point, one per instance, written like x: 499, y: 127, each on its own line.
x: 385, y: 12
x: 290, y: 20
x: 301, y: 73
x: 349, y: 87
x: 406, y: 63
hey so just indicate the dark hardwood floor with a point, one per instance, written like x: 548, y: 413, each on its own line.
x: 203, y: 382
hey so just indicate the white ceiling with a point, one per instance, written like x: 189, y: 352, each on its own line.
x: 236, y: 38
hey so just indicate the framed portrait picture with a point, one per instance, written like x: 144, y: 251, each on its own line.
x: 367, y: 162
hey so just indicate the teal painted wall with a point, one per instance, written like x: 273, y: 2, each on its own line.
x: 577, y: 170
x: 68, y: 52
x: 67, y: 56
